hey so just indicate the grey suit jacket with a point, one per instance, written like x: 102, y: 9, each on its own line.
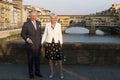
x: 28, y: 31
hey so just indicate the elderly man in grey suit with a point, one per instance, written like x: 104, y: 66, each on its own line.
x: 31, y: 33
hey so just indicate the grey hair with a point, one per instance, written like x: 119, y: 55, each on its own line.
x: 53, y: 15
x: 33, y: 11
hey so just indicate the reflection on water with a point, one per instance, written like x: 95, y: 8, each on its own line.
x: 81, y: 35
x: 77, y: 30
x: 99, y: 32
x: 90, y: 39
x: 81, y: 30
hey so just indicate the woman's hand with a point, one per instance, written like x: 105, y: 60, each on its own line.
x: 43, y: 44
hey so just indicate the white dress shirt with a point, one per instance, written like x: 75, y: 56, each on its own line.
x: 51, y: 33
x: 34, y: 24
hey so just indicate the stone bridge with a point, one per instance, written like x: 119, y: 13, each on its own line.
x: 92, y: 29
x: 92, y: 22
x: 112, y: 29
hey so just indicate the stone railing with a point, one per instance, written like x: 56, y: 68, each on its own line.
x: 92, y: 53
x: 76, y: 53
x: 6, y: 33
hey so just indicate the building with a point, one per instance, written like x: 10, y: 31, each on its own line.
x: 63, y: 19
x: 4, y: 16
x: 116, y: 6
x: 11, y: 16
x: 19, y: 13
x: 100, y: 20
x: 28, y: 8
x: 17, y: 4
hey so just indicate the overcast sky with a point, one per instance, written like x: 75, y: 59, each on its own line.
x: 77, y: 7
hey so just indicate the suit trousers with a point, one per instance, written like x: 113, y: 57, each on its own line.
x: 33, y: 60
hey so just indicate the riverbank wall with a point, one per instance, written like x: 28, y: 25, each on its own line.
x: 76, y: 53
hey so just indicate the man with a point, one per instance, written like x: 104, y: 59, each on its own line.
x: 31, y: 33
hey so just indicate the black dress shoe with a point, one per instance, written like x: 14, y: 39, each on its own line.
x: 31, y: 76
x: 39, y: 75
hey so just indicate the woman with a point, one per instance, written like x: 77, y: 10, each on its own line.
x: 52, y: 40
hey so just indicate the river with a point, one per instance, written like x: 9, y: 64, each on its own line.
x: 80, y: 34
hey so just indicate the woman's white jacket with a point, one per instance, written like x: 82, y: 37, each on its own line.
x: 51, y: 33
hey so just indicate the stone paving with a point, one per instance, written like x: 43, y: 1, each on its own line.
x: 71, y: 72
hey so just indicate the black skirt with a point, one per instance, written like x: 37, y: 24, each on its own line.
x: 53, y: 51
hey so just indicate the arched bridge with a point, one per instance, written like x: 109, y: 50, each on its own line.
x: 96, y: 23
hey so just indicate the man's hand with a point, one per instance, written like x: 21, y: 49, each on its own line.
x: 29, y: 41
x: 61, y: 45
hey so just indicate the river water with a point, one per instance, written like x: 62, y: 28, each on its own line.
x: 80, y: 34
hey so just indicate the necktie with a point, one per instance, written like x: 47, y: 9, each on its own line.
x: 34, y: 23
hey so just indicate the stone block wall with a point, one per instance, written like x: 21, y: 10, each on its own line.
x: 75, y: 53
x: 92, y: 53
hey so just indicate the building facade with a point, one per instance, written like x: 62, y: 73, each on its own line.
x: 14, y: 14
x: 4, y: 16
x: 28, y: 8
x: 17, y: 4
x: 101, y: 20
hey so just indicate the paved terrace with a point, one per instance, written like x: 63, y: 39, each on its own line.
x: 71, y: 72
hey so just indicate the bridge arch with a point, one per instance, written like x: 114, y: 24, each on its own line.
x: 83, y: 30
x: 92, y: 28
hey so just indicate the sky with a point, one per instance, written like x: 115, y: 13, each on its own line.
x: 72, y: 7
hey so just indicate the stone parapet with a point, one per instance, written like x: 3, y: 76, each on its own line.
x: 76, y: 53
x: 92, y: 53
